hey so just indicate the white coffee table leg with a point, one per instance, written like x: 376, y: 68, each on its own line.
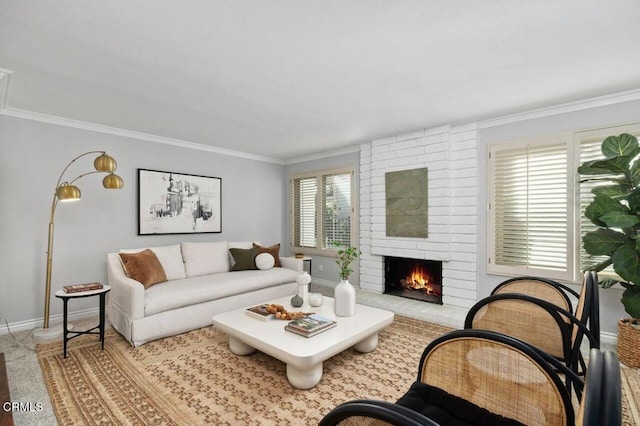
x: 368, y: 344
x: 304, y: 378
x: 240, y: 348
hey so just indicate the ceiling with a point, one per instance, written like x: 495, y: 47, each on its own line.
x: 286, y: 79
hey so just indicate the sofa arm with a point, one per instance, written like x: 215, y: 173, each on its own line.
x: 291, y: 263
x: 126, y: 293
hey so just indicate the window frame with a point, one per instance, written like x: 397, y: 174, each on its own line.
x: 507, y: 270
x: 318, y: 175
x: 574, y: 142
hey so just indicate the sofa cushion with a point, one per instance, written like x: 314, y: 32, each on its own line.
x: 244, y: 259
x: 265, y: 261
x: 170, y: 258
x: 205, y: 258
x: 143, y: 267
x: 177, y: 294
x: 274, y: 250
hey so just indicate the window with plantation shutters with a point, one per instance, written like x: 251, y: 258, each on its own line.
x: 530, y: 203
x: 537, y: 201
x: 321, y: 209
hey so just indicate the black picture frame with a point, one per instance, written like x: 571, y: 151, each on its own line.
x: 178, y: 203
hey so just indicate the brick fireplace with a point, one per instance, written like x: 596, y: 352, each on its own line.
x: 451, y: 156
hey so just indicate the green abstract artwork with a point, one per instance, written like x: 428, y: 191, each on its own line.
x: 407, y: 203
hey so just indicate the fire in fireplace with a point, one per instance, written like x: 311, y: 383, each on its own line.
x: 414, y: 278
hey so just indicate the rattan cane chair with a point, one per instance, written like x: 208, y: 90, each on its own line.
x: 587, y: 308
x: 474, y: 377
x: 537, y: 322
x: 542, y: 288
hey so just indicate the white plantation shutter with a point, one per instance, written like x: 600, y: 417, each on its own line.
x: 336, y: 214
x: 589, y: 150
x: 303, y: 208
x: 530, y: 209
x: 321, y: 209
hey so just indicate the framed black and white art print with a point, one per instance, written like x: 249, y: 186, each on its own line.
x: 178, y: 203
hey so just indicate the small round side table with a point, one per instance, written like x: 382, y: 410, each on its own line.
x: 68, y: 334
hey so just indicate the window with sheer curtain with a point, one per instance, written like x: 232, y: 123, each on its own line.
x: 321, y: 209
x: 536, y: 204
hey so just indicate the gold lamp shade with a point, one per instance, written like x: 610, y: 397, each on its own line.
x: 105, y: 163
x: 112, y: 181
x: 66, y: 192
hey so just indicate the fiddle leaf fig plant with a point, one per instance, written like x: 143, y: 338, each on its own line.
x: 615, y: 209
x: 345, y: 255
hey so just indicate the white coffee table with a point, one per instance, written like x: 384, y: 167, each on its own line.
x: 303, y: 356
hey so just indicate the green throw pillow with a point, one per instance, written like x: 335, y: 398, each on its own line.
x: 245, y: 258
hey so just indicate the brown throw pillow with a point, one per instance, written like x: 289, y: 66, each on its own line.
x: 143, y: 267
x: 245, y: 258
x: 274, y: 250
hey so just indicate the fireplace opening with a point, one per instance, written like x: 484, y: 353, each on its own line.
x: 414, y: 278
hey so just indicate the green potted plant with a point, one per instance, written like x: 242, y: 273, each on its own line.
x: 615, y: 209
x: 344, y: 293
x: 345, y: 256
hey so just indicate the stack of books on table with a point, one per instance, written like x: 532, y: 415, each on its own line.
x: 310, y: 326
x: 259, y: 312
x: 76, y: 288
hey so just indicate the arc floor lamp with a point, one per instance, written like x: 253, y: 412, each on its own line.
x: 67, y: 191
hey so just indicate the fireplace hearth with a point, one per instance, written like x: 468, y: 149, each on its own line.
x: 413, y: 278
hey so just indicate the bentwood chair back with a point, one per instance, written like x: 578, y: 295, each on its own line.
x: 542, y: 288
x: 537, y: 322
x: 501, y: 374
x: 586, y: 302
x: 474, y: 377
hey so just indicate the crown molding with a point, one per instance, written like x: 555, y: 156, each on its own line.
x: 321, y: 155
x: 5, y: 80
x: 616, y: 98
x: 84, y: 125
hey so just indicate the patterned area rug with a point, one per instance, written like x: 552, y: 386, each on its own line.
x: 193, y: 378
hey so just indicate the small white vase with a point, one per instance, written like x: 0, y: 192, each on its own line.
x: 303, y: 286
x: 345, y: 299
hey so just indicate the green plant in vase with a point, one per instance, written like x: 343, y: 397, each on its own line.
x: 344, y: 293
x: 345, y: 256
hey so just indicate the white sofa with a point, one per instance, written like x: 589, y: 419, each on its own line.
x: 200, y: 284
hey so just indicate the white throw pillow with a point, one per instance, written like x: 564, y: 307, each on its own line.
x: 170, y: 258
x: 265, y: 261
x: 205, y: 258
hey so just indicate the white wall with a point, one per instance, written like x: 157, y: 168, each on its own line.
x: 33, y: 154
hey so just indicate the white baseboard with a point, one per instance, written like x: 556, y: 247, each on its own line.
x: 609, y: 339
x: 53, y: 319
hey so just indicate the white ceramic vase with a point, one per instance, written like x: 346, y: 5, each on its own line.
x: 303, y: 281
x: 345, y: 299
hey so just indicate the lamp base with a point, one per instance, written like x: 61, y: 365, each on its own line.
x: 49, y: 334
